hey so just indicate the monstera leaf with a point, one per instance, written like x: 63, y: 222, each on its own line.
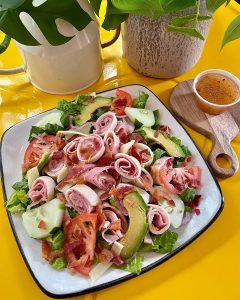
x: 44, y: 15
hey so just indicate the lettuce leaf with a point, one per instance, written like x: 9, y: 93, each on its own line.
x: 17, y: 202
x: 21, y: 185
x: 162, y: 243
x: 156, y: 117
x: 59, y: 263
x: 56, y: 239
x: 188, y: 194
x: 49, y: 129
x: 141, y: 100
x: 158, y: 153
x: 134, y: 265
x: 165, y: 242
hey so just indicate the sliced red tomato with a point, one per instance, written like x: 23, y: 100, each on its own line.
x: 45, y: 143
x: 184, y: 177
x: 122, y: 100
x: 175, y: 180
x: 80, y: 242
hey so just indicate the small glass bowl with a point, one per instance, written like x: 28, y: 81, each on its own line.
x: 209, y: 107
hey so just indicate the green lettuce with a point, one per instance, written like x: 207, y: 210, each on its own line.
x: 21, y: 185
x: 59, y: 263
x: 134, y: 265
x: 56, y: 239
x: 162, y: 243
x: 17, y: 202
x: 188, y: 194
x: 48, y: 128
x: 158, y: 153
x: 141, y: 100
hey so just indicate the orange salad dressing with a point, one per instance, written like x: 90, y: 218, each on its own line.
x: 217, y: 89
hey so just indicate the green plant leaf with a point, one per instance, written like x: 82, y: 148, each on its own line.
x: 96, y: 4
x: 152, y: 8
x: 233, y: 32
x: 186, y: 31
x: 213, y: 5
x: 185, y: 20
x: 114, y: 17
x: 44, y: 15
x: 5, y: 43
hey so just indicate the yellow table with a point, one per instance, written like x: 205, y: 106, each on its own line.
x: 208, y: 268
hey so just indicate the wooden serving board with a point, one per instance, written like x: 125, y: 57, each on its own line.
x: 221, y: 129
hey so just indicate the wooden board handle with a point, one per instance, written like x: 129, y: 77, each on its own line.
x: 227, y: 153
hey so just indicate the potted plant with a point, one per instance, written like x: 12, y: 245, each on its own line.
x: 164, y: 38
x: 60, y: 45
x: 58, y: 41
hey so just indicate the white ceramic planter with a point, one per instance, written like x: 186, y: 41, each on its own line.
x: 67, y: 68
x: 153, y: 51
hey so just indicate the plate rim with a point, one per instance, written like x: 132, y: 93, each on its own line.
x: 128, y: 276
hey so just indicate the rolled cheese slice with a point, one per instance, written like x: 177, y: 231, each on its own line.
x: 81, y: 198
x: 158, y: 219
x: 42, y: 190
x: 127, y: 166
x: 90, y: 148
x: 107, y: 121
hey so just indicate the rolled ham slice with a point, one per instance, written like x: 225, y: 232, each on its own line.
x: 111, y: 228
x: 144, y: 181
x: 142, y: 153
x: 162, y: 173
x: 158, y: 219
x: 81, y: 198
x: 55, y: 164
x: 112, y: 142
x: 74, y: 175
x: 100, y: 177
x: 71, y: 147
x: 90, y: 148
x: 42, y: 190
x: 115, y: 224
x: 107, y: 121
x: 127, y: 166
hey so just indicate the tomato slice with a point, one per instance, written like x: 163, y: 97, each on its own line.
x: 175, y: 180
x: 80, y: 242
x: 35, y: 150
x: 122, y: 100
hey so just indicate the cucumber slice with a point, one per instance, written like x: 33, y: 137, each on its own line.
x: 143, y: 116
x: 46, y: 216
x: 53, y: 118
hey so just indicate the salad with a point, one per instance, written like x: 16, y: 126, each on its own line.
x: 103, y: 182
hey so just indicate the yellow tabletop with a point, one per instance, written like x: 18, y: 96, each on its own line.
x: 209, y: 267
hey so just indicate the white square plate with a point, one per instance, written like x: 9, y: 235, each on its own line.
x: 60, y: 284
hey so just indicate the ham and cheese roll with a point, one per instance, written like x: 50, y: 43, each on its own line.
x: 55, y: 164
x: 112, y: 142
x: 100, y: 177
x: 127, y: 166
x: 81, y: 198
x: 90, y: 148
x: 144, y: 181
x: 158, y: 219
x: 71, y: 147
x: 107, y: 121
x: 115, y: 224
x: 42, y: 190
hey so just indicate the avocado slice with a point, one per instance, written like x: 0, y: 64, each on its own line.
x: 138, y: 225
x: 44, y: 159
x: 87, y: 111
x: 172, y: 148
